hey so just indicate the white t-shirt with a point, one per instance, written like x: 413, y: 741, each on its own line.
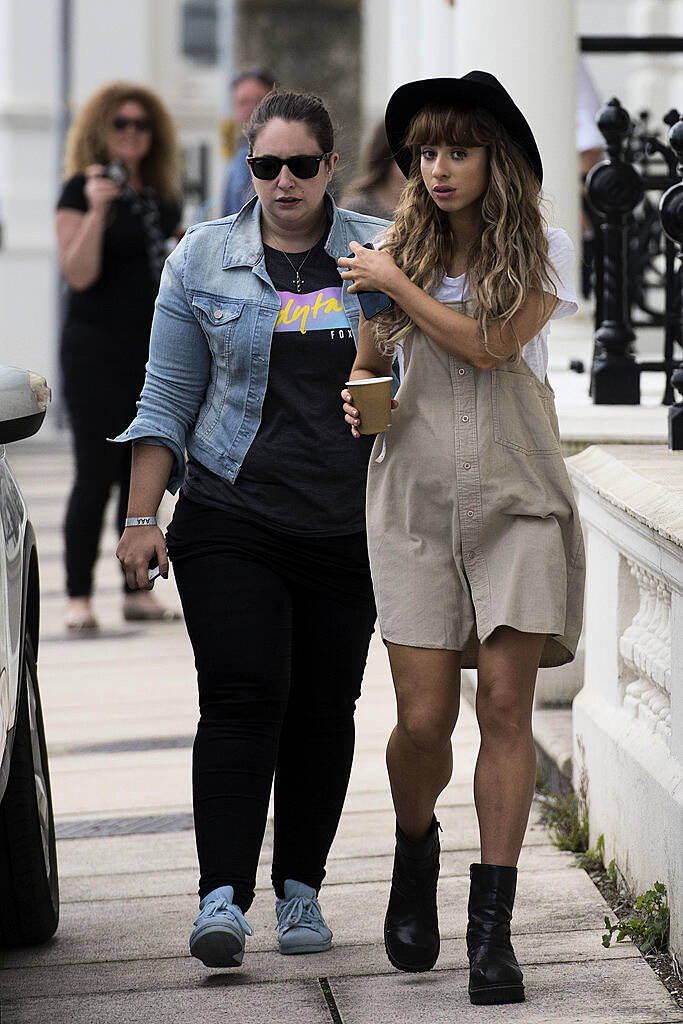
x: 561, y: 256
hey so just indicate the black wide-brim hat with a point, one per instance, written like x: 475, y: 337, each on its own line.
x: 475, y: 89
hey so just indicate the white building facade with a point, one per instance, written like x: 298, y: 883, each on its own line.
x: 136, y: 40
x: 530, y: 45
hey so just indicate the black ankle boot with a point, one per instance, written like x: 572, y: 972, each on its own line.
x: 495, y: 976
x: 411, y: 926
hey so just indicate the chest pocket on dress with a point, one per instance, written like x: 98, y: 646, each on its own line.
x: 217, y: 320
x: 523, y: 415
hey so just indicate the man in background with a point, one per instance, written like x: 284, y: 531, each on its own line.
x: 246, y: 91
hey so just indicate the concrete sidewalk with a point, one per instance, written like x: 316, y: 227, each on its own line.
x: 120, y: 712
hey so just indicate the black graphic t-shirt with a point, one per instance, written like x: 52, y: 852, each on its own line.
x: 304, y: 473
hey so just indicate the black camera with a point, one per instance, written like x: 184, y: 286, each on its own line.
x: 116, y: 172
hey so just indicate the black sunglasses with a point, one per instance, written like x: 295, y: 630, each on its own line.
x: 140, y: 124
x: 267, y: 168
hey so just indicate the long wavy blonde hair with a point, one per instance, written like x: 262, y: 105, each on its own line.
x: 510, y: 258
x: 86, y: 141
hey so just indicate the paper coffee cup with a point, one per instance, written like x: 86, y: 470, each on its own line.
x: 372, y: 398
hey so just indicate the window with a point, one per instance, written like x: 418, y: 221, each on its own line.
x: 200, y: 31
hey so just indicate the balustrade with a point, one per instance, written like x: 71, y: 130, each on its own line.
x: 645, y: 649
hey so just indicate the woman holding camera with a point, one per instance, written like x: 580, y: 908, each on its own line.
x: 253, y: 332
x: 118, y: 207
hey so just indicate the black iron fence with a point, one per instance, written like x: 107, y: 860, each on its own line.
x: 671, y: 213
x: 637, y: 277
x: 635, y: 200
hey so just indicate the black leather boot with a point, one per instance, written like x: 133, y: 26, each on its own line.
x: 495, y: 976
x: 411, y: 926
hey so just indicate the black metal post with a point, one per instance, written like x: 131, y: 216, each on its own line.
x: 614, y: 189
x: 671, y: 213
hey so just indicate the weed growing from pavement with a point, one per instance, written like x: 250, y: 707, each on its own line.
x: 616, y: 894
x: 645, y: 918
x: 565, y: 815
x: 566, y: 820
x: 594, y: 860
x: 649, y: 928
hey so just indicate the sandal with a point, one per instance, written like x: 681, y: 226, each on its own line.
x: 80, y: 619
x: 134, y: 611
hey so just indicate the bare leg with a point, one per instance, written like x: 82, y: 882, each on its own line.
x: 420, y: 762
x: 419, y: 756
x: 505, y: 774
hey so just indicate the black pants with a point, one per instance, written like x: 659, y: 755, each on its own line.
x: 280, y: 627
x: 100, y: 400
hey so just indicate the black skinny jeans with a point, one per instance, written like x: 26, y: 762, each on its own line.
x: 280, y: 627
x: 100, y: 398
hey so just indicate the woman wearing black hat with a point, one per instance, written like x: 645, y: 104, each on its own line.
x: 474, y: 537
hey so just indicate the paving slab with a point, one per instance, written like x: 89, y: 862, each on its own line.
x: 116, y: 879
x: 568, y: 988
x: 103, y: 856
x: 220, y: 999
x: 137, y: 927
x: 619, y: 992
x: 263, y: 967
x: 373, y: 833
x: 121, y: 783
x: 120, y: 713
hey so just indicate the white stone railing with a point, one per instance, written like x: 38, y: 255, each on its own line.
x: 645, y: 647
x: 628, y: 717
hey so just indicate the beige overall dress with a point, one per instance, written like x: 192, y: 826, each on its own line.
x: 471, y: 518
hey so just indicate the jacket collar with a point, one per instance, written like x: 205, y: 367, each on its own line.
x: 244, y: 245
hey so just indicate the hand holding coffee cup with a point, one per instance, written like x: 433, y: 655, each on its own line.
x: 368, y: 404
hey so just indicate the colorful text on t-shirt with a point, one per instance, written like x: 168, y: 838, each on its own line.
x: 320, y: 310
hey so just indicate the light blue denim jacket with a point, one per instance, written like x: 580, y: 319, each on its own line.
x: 210, y: 345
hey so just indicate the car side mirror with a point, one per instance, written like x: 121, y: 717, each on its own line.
x: 24, y: 398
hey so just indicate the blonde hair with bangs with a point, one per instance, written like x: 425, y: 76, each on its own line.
x: 86, y: 141
x: 508, y: 262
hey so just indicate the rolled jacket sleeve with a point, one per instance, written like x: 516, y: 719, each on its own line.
x: 177, y: 373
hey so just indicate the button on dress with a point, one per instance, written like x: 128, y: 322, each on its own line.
x: 471, y: 517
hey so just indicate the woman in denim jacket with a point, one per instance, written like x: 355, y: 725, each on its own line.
x: 253, y: 334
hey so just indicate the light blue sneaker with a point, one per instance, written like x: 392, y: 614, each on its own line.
x: 300, y: 923
x: 220, y: 930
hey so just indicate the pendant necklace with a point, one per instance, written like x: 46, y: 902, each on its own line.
x: 298, y: 280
